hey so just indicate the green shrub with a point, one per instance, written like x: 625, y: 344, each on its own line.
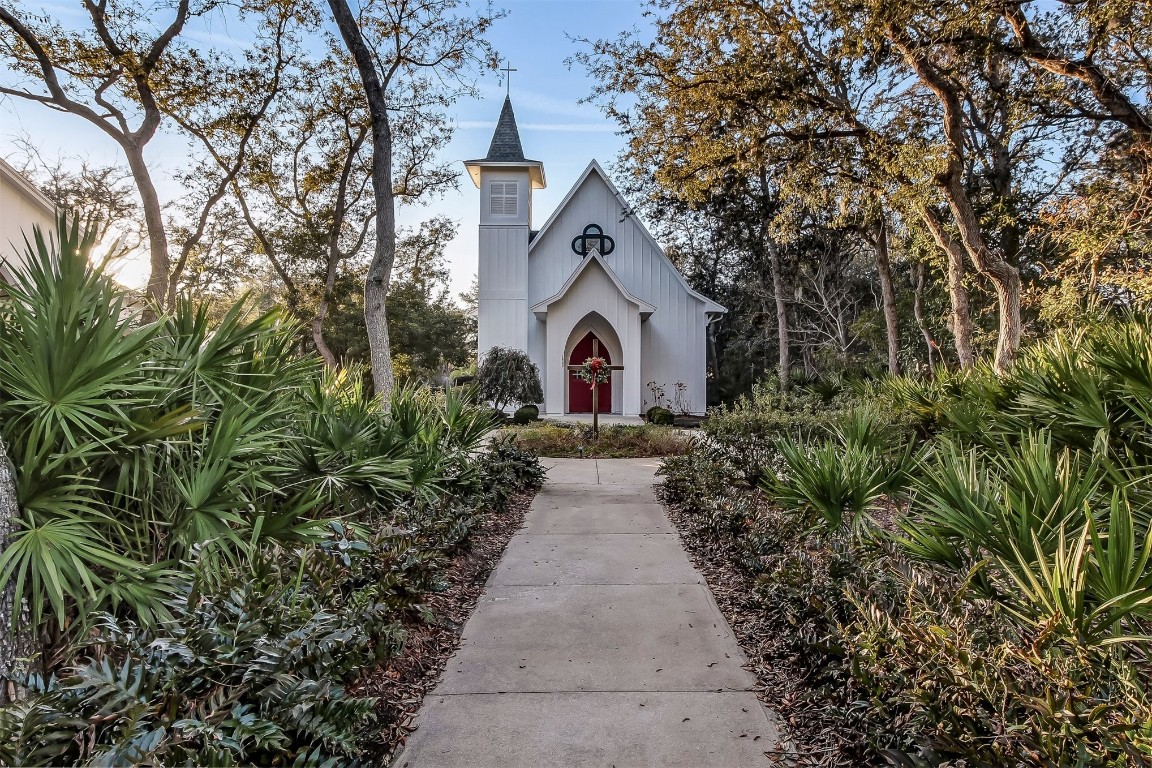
x: 834, y: 482
x: 216, y: 535
x: 615, y: 441
x: 132, y: 443
x: 998, y: 612
x: 252, y: 666
x: 506, y: 469
x: 526, y: 414
x: 1090, y: 389
x: 968, y: 687
x: 840, y: 479
x: 661, y: 416
x: 746, y: 432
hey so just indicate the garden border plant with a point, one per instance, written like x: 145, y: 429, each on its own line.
x: 203, y: 511
x: 617, y: 441
x: 958, y: 573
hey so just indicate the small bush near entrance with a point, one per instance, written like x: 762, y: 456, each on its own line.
x: 658, y: 415
x: 615, y: 442
x: 526, y: 414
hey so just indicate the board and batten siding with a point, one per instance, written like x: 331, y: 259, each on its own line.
x: 593, y: 303
x: 672, y: 338
x: 502, y: 299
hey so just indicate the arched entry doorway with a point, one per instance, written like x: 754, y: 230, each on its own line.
x: 579, y: 391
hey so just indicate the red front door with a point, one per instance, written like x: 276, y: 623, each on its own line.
x: 580, y: 392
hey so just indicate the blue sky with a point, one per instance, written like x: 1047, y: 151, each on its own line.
x: 554, y: 126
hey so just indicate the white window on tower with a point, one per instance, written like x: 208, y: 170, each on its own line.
x: 503, y: 194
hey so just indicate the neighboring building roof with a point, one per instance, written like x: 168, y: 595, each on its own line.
x: 16, y: 180
x: 710, y: 306
x: 541, y: 308
x: 506, y: 150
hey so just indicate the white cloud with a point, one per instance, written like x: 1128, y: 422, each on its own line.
x: 535, y: 101
x: 554, y: 127
x: 571, y: 127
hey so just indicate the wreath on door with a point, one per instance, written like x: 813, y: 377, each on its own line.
x: 594, y: 371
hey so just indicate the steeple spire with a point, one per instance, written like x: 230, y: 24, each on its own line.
x: 506, y: 146
x: 506, y: 152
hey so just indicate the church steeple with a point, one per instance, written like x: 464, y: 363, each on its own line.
x: 506, y: 152
x: 505, y: 179
x: 505, y: 146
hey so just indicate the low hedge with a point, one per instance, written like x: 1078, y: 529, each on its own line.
x: 619, y: 441
x: 525, y: 414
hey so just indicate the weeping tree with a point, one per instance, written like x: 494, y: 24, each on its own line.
x: 509, y: 376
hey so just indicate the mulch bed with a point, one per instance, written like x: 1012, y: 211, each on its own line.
x: 808, y: 736
x: 403, y: 681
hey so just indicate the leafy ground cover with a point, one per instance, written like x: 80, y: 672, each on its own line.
x: 219, y: 544
x: 618, y: 441
x: 953, y: 572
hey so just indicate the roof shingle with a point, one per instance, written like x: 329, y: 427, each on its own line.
x: 506, y: 147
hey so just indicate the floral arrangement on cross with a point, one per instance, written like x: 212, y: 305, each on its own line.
x: 595, y: 371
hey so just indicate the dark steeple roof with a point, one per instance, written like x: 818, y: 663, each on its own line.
x: 506, y: 147
x: 506, y: 151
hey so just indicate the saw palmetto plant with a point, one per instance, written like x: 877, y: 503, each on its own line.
x: 216, y: 536
x: 135, y: 441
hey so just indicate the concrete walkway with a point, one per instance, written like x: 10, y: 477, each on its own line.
x: 596, y: 643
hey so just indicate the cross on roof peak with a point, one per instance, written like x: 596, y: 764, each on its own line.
x: 508, y: 69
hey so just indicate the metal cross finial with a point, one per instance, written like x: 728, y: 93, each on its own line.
x: 508, y: 69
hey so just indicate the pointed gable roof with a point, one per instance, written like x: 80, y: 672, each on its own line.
x: 506, y: 146
x: 541, y: 308
x: 506, y: 150
x: 710, y: 306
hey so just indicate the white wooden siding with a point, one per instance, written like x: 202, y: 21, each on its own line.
x: 502, y: 295
x: 593, y: 303
x: 672, y: 339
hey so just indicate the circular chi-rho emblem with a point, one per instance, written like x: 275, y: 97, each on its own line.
x: 593, y: 239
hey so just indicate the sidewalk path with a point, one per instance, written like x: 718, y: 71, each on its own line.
x: 596, y: 643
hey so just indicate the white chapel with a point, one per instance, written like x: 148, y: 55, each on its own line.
x: 591, y: 277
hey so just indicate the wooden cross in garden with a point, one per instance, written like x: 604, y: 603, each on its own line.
x: 595, y: 385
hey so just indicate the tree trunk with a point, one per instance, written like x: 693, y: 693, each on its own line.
x: 1004, y: 276
x: 325, y: 301
x: 918, y: 273
x: 159, y: 260
x: 16, y: 643
x: 779, y: 294
x: 891, y: 319
x: 713, y: 355
x: 380, y: 270
x: 954, y: 256
x: 318, y: 335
